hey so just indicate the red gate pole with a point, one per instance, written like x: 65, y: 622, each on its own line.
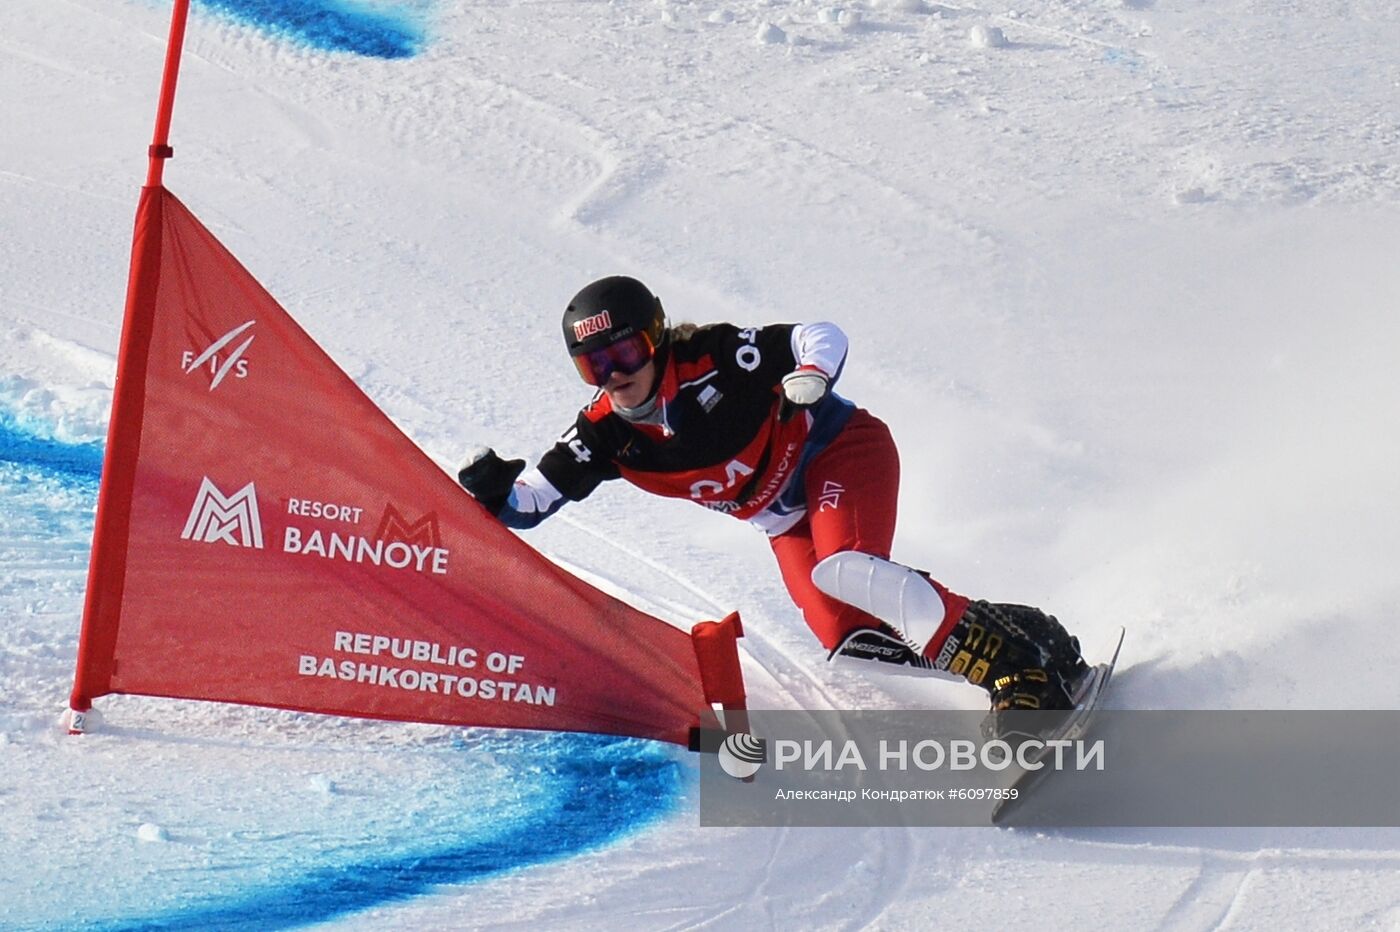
x: 111, y: 529
x: 160, y: 144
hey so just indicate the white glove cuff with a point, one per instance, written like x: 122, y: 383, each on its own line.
x: 805, y: 386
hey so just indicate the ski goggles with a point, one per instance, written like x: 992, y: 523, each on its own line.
x: 626, y: 357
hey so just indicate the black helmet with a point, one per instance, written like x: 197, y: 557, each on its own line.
x: 614, y: 324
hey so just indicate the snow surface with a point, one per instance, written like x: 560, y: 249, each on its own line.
x: 1124, y: 283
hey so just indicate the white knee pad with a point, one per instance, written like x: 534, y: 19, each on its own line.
x: 895, y: 594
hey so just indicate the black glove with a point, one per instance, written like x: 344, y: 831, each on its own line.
x: 489, y: 478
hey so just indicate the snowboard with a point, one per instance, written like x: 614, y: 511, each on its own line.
x: 1088, y: 693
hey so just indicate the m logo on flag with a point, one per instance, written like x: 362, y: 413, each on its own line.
x: 232, y: 519
x: 395, y: 527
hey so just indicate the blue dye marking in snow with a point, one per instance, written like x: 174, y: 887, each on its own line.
x: 23, y: 448
x: 1127, y: 60
x: 603, y: 788
x: 332, y: 25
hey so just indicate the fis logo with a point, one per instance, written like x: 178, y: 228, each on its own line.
x: 583, y: 329
x: 217, y: 518
x: 219, y: 366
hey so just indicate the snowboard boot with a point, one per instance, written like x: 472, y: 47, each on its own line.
x: 1024, y: 658
x: 887, y: 649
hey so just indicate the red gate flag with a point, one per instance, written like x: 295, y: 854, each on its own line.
x: 266, y: 535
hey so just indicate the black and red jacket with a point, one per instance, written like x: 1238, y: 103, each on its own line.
x: 714, y: 434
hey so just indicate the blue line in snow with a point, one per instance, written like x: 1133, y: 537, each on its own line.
x: 600, y: 788
x: 24, y: 448
x: 332, y: 25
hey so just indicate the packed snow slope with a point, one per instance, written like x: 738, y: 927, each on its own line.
x: 1120, y: 274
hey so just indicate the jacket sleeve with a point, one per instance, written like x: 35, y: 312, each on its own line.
x: 822, y: 345
x: 532, y: 499
x: 569, y: 471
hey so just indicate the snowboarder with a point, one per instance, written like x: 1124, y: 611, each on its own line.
x: 744, y: 421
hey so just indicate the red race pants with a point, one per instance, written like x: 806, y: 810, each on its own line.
x: 852, y: 496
